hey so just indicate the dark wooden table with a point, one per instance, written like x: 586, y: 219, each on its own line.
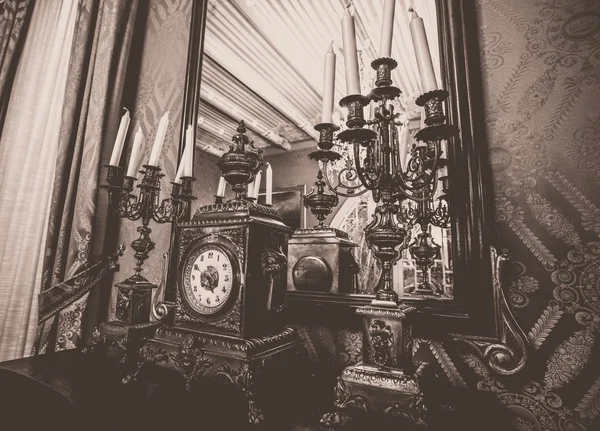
x: 82, y: 391
x: 76, y: 391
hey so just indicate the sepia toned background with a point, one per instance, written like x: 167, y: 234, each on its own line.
x: 541, y: 74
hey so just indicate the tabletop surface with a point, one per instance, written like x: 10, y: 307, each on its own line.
x: 85, y: 390
x: 72, y: 390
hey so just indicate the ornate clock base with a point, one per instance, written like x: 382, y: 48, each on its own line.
x: 365, y: 389
x: 260, y: 367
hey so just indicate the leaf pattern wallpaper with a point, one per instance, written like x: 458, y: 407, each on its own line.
x: 541, y: 75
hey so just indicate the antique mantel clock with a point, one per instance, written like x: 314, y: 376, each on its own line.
x: 226, y: 322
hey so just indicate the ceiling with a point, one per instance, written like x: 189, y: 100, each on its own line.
x: 263, y: 63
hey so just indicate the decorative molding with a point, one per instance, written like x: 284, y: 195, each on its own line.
x: 190, y: 361
x: 401, y: 312
x: 393, y: 380
x: 249, y: 345
x: 503, y: 358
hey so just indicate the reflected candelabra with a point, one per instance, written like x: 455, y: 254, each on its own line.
x: 405, y: 196
x: 134, y: 294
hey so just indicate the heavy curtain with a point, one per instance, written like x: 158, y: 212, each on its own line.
x: 14, y: 17
x: 28, y: 147
x: 91, y: 113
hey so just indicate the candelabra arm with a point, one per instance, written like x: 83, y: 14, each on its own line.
x: 334, y: 189
x: 367, y: 183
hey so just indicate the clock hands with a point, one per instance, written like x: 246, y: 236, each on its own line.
x: 209, y: 278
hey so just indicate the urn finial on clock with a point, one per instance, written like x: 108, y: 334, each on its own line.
x: 240, y: 164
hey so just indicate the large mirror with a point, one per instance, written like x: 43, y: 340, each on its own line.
x: 262, y: 62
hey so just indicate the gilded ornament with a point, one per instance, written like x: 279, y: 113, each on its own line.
x: 190, y: 361
x: 382, y: 339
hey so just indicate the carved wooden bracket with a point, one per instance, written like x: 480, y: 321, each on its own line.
x: 510, y: 353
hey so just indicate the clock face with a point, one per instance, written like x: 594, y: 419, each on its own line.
x: 208, y: 278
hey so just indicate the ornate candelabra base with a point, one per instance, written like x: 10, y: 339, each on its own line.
x: 134, y: 298
x: 385, y: 382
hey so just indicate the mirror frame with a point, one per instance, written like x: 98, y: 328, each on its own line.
x: 478, y: 310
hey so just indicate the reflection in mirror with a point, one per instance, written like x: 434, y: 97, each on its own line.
x: 263, y: 63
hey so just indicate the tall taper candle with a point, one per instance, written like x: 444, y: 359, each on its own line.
x: 188, y: 169
x: 387, y: 28
x: 135, y: 153
x: 269, y: 186
x: 159, y: 139
x: 221, y: 188
x: 328, y: 85
x: 350, y: 53
x: 256, y: 188
x: 182, y: 163
x: 120, y: 139
x: 404, y: 145
x: 424, y: 62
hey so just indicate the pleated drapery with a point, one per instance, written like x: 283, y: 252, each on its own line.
x: 14, y: 18
x: 28, y: 148
x: 89, y: 124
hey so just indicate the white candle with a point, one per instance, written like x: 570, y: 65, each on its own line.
x: 120, y: 139
x: 269, y: 192
x: 189, y: 157
x: 256, y: 188
x: 181, y: 167
x: 422, y: 53
x: 328, y: 86
x: 135, y: 153
x: 159, y: 139
x: 350, y: 54
x: 221, y: 188
x: 387, y: 29
x: 404, y: 145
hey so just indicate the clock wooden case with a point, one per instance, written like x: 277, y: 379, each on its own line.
x: 229, y: 261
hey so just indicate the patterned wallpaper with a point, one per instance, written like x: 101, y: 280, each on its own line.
x: 541, y: 66
x: 160, y: 89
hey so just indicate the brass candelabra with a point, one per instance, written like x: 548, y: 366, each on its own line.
x: 134, y: 293
x: 377, y: 168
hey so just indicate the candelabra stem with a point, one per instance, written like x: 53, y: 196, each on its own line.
x: 384, y: 235
x: 424, y: 251
x: 142, y: 246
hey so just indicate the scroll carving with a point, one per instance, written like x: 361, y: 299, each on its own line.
x: 190, y: 361
x: 508, y: 356
x: 343, y: 400
x: 382, y: 339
